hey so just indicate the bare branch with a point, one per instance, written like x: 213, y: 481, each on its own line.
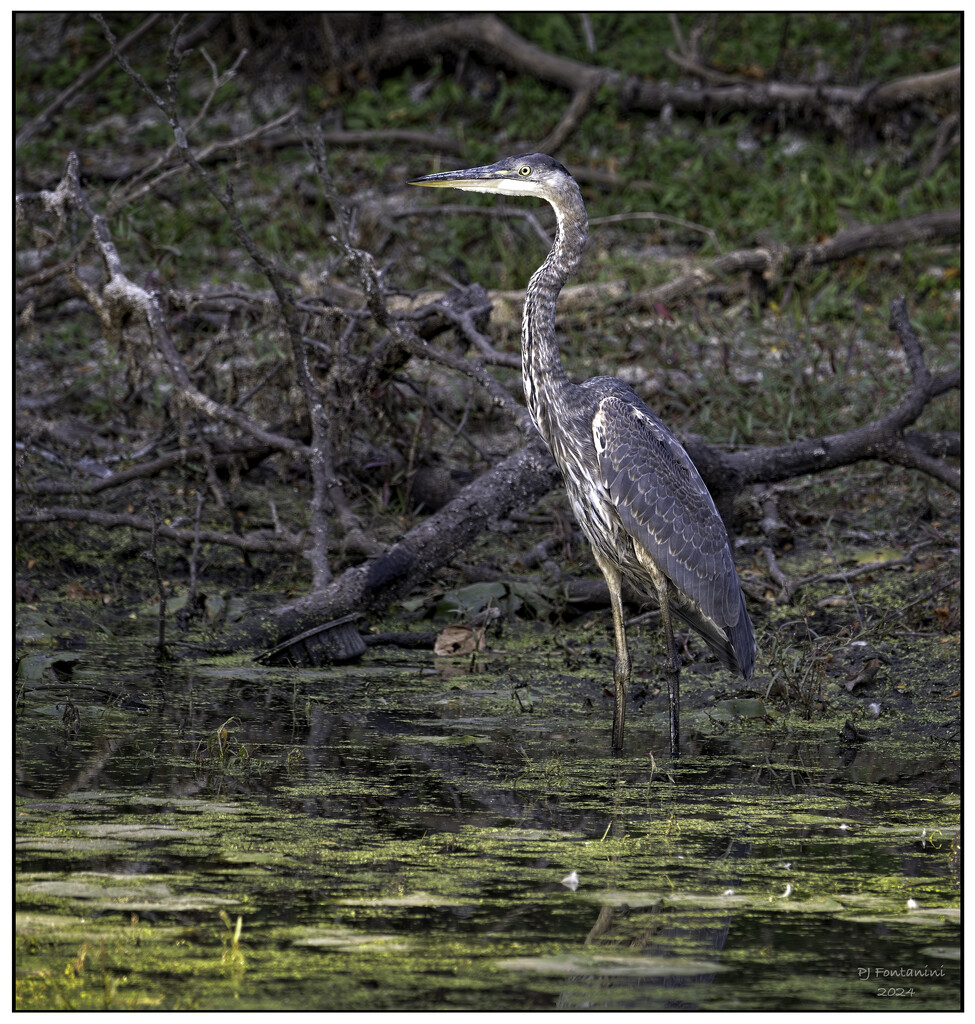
x: 776, y: 261
x: 121, y: 297
x: 726, y: 474
x: 253, y: 542
x: 581, y: 102
x: 151, y: 468
x: 489, y: 35
x: 82, y: 82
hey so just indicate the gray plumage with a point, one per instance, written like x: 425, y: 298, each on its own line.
x: 634, y: 491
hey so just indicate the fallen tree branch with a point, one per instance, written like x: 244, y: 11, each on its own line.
x: 871, y: 97
x: 727, y: 473
x: 939, y: 225
x: 242, y: 448
x: 523, y: 478
x: 489, y: 35
x: 112, y: 521
x: 121, y: 298
x: 517, y: 482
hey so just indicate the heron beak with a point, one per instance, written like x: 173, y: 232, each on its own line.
x: 476, y: 179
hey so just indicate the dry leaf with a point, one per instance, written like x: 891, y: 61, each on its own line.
x: 459, y: 640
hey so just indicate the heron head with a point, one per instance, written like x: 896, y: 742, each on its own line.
x: 532, y: 174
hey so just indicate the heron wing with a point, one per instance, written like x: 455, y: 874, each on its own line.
x: 665, y: 507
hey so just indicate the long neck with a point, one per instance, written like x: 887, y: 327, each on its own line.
x: 541, y: 367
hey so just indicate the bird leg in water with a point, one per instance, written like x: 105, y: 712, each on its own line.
x: 621, y: 671
x: 632, y: 486
x: 673, y: 669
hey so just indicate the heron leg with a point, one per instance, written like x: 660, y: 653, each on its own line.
x: 673, y: 670
x: 621, y: 671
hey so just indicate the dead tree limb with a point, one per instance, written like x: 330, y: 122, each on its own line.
x: 523, y: 478
x: 884, y: 438
x: 745, y: 95
x: 492, y: 38
x: 112, y: 521
x: 770, y: 261
x: 488, y: 34
x: 518, y: 482
x: 121, y: 298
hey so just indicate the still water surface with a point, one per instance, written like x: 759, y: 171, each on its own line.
x: 393, y: 837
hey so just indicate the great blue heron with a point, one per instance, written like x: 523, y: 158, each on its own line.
x: 634, y: 490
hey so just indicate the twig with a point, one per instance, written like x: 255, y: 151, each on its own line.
x: 786, y: 586
x: 770, y: 524
x: 195, y: 551
x: 845, y: 575
x: 948, y: 138
x: 457, y: 428
x: 139, y: 187
x: 614, y: 218
x: 465, y: 321
x: 896, y: 613
x: 693, y: 66
x: 582, y: 100
x: 151, y: 468
x: 587, y: 33
x: 326, y: 481
x: 334, y: 54
x: 678, y: 34
x: 82, y: 81
x: 845, y: 578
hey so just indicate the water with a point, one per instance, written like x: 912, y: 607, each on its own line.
x: 405, y: 834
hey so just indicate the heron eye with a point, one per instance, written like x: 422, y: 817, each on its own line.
x: 524, y: 170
